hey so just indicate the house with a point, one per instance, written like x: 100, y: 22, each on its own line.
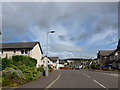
x: 110, y: 57
x: 104, y: 56
x: 55, y: 61
x: 62, y: 63
x: 116, y: 62
x: 52, y: 61
x: 31, y: 49
x: 46, y: 60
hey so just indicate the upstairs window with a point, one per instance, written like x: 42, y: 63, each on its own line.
x: 43, y: 62
x: 24, y: 51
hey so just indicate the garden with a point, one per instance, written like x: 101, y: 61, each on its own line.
x: 18, y: 70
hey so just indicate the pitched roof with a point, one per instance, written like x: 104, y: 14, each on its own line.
x: 106, y: 52
x: 53, y: 59
x: 62, y: 61
x: 19, y: 45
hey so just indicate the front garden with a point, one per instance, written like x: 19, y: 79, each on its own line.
x: 18, y: 70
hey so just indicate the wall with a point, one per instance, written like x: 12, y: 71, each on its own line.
x: 44, y: 61
x: 103, y: 60
x: 37, y: 54
x: 10, y: 53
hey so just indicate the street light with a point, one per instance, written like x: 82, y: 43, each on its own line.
x: 46, y: 71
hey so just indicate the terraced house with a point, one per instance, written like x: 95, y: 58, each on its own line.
x: 31, y: 49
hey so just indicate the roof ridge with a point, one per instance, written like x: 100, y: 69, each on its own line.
x: 108, y: 50
x: 20, y: 42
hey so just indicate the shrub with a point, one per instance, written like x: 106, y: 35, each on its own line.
x: 18, y: 70
x: 30, y: 73
x: 28, y: 61
x: 50, y: 68
x: 41, y: 69
x: 12, y: 77
x: 6, y: 63
x: 107, y: 69
x: 93, y: 66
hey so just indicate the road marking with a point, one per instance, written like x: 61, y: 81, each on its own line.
x: 54, y: 81
x: 100, y: 84
x: 112, y: 74
x: 115, y: 75
x: 87, y: 75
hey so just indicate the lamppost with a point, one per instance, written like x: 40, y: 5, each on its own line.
x: 46, y: 70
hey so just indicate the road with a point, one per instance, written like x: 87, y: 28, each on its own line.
x: 85, y: 79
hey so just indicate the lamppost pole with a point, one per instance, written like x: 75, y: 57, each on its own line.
x: 46, y: 71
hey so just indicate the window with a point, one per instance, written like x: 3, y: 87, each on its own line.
x: 1, y: 52
x: 24, y: 51
x: 14, y: 51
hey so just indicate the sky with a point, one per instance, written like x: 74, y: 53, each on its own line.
x: 81, y: 28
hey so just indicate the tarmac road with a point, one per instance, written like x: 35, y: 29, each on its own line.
x: 86, y: 79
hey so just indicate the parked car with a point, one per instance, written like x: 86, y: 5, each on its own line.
x: 77, y: 67
x: 105, y: 67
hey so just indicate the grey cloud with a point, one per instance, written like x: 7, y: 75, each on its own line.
x: 61, y: 48
x: 43, y: 14
x: 18, y: 18
x: 62, y: 38
x: 68, y: 38
x: 103, y: 24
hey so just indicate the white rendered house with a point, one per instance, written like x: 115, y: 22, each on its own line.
x: 31, y: 49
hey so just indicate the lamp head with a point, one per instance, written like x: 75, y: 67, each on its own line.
x: 51, y: 32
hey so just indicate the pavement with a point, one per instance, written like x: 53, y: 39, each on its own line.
x: 42, y: 82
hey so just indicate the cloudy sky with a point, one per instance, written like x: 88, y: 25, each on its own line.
x: 81, y: 28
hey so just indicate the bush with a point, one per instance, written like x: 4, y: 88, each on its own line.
x: 50, y: 68
x: 107, y: 69
x: 28, y: 61
x: 41, y: 69
x: 17, y: 77
x: 12, y: 77
x: 30, y: 73
x: 93, y: 66
x: 18, y: 70
x: 6, y: 63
